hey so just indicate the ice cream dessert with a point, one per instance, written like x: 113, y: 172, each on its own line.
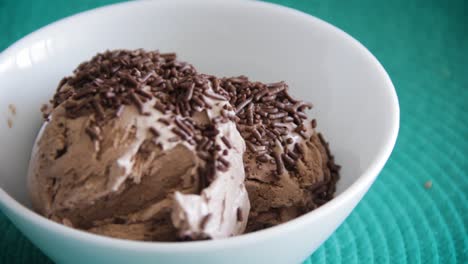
x: 289, y: 168
x: 140, y: 146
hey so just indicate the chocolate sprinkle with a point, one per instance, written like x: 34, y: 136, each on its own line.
x: 314, y: 123
x: 173, y: 139
x: 136, y: 100
x: 204, y: 221
x: 293, y: 155
x: 214, y: 96
x: 164, y: 121
x: 263, y: 158
x: 160, y: 106
x: 279, y: 163
x: 243, y: 104
x: 189, y: 93
x: 180, y: 133
x: 239, y: 215
x: 154, y: 132
x: 98, y: 108
x: 226, y: 142
x: 184, y: 127
x: 288, y: 160
x: 223, y: 161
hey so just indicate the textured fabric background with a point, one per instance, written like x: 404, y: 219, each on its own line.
x: 423, y: 44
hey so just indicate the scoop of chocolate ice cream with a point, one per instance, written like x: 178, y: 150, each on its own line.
x: 288, y: 166
x: 140, y: 146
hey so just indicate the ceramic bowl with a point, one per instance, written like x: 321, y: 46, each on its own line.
x: 355, y: 104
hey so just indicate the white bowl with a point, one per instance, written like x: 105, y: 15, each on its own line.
x: 355, y: 104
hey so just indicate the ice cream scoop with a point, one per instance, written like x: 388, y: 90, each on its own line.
x: 140, y: 146
x: 289, y: 168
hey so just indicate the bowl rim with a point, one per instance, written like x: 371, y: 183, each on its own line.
x: 365, y: 179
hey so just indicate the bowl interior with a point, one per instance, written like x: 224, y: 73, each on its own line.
x: 354, y: 102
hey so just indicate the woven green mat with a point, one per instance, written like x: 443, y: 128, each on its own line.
x: 424, y: 47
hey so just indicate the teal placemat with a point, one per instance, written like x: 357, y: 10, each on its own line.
x: 424, y: 47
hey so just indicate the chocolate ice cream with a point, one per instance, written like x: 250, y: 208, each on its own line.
x: 140, y: 146
x: 288, y: 166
